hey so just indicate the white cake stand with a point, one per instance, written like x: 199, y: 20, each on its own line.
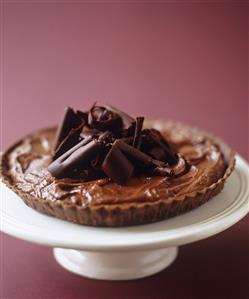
x: 128, y: 252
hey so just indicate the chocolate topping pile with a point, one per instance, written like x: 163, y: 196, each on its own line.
x: 107, y: 142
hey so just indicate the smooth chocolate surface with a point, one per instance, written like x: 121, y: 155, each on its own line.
x: 28, y: 161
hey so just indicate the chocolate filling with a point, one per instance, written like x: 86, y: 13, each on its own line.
x: 26, y: 165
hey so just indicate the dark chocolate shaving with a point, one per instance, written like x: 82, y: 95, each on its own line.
x: 105, y: 141
x: 138, y: 129
x: 70, y: 141
x: 155, y: 145
x: 86, y: 132
x: 128, y: 140
x: 82, y: 115
x: 106, y: 138
x: 133, y: 154
x: 70, y: 120
x: 128, y: 122
x: 102, y: 119
x: 81, y: 157
x: 116, y: 166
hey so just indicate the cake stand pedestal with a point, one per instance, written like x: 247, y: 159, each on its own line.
x: 128, y: 252
x: 115, y: 265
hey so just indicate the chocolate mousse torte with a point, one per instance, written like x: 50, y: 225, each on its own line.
x: 103, y: 167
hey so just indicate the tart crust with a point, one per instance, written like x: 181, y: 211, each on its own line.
x: 124, y: 214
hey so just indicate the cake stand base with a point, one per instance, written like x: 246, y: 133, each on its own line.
x: 115, y: 265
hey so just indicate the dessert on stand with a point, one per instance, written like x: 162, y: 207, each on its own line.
x: 124, y: 192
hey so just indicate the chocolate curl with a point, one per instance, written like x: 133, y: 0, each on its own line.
x: 78, y: 156
x: 86, y: 132
x: 83, y: 116
x: 128, y: 140
x: 157, y: 147
x: 133, y: 154
x: 102, y: 119
x: 70, y: 141
x: 152, y: 166
x: 157, y: 153
x: 116, y: 166
x: 140, y: 141
x: 106, y: 138
x: 69, y: 120
x: 128, y: 122
x: 138, y: 129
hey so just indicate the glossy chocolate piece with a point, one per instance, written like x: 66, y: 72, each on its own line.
x: 138, y: 129
x: 80, y: 155
x: 128, y: 122
x: 69, y: 121
x: 82, y: 115
x: 70, y: 141
x: 102, y: 119
x: 133, y: 154
x: 155, y: 145
x: 116, y: 166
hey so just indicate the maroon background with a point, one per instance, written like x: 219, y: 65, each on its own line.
x: 184, y: 61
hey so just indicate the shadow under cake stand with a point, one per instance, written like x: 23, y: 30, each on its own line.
x: 127, y: 252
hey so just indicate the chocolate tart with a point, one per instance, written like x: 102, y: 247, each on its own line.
x: 103, y: 202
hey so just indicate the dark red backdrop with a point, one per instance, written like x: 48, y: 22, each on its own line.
x: 184, y: 61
